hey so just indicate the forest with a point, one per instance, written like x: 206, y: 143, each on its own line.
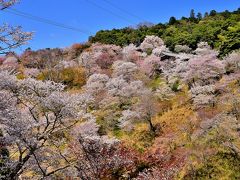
x: 150, y: 103
x: 220, y: 30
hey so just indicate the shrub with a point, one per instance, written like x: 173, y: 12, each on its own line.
x: 182, y: 48
x: 71, y: 76
x: 220, y: 166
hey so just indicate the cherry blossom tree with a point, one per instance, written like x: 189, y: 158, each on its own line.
x: 204, y: 49
x: 88, y: 62
x: 96, y: 86
x: 32, y: 113
x: 232, y: 62
x: 123, y: 91
x: 144, y: 110
x: 96, y: 83
x: 11, y: 37
x: 105, y: 60
x: 131, y: 54
x: 203, y: 95
x: 42, y: 59
x: 151, y: 65
x: 98, y: 156
x: 151, y: 42
x: 116, y: 85
x: 7, y: 3
x: 99, y: 57
x: 10, y: 62
x: 204, y: 69
x: 124, y: 69
x: 71, y: 53
x: 159, y: 50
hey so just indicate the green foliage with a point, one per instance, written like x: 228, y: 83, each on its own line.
x: 213, y: 13
x: 72, y: 77
x: 155, y: 83
x: 230, y: 39
x: 20, y: 76
x: 149, y: 52
x: 199, y: 16
x: 220, y: 30
x: 175, y: 86
x: 172, y: 20
x: 140, y: 138
x: 223, y: 165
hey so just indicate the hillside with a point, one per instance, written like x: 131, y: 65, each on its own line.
x: 152, y: 103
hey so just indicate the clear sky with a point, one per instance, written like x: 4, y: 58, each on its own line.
x: 93, y: 15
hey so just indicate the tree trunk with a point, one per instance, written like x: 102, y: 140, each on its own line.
x: 14, y: 172
x: 151, y: 126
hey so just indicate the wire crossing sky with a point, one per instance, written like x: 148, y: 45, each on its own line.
x: 44, y: 20
x: 62, y: 23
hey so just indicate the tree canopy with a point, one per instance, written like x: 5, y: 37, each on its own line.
x: 220, y: 30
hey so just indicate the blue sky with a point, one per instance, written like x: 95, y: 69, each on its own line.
x: 93, y: 15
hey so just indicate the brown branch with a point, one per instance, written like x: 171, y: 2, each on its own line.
x: 59, y: 169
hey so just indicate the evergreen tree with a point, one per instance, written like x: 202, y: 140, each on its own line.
x: 199, y: 16
x: 192, y: 14
x: 192, y: 17
x: 172, y: 20
x: 213, y: 13
x: 206, y: 14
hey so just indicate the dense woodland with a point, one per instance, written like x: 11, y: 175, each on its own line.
x: 126, y: 105
x: 220, y: 30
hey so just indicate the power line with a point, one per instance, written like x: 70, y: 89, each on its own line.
x: 123, y: 10
x: 47, y: 21
x: 109, y: 11
x: 44, y: 20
